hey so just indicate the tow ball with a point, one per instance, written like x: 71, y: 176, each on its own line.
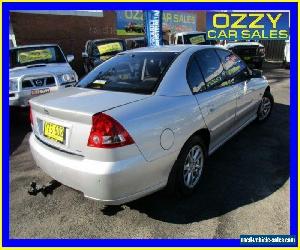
x: 46, y: 189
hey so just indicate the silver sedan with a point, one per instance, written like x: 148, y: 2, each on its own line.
x: 145, y: 120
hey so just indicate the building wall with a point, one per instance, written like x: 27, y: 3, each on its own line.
x: 201, y: 20
x: 70, y: 32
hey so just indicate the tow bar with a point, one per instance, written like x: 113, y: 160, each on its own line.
x: 34, y: 188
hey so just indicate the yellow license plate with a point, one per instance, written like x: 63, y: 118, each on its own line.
x: 54, y: 132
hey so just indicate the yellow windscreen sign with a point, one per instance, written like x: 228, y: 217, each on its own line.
x: 197, y: 39
x: 34, y: 55
x: 109, y: 47
x: 102, y: 82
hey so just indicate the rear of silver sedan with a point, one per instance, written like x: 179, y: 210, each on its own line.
x: 69, y: 147
x: 106, y: 181
x: 112, y: 157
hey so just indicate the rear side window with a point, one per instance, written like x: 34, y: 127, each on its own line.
x: 211, y: 68
x: 235, y: 68
x: 194, y: 76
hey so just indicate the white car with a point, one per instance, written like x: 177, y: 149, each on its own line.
x: 146, y: 119
x: 286, y: 59
x: 36, y: 70
x: 193, y: 37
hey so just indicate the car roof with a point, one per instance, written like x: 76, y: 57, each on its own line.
x: 34, y: 45
x: 135, y: 38
x: 107, y: 39
x: 169, y: 48
x: 233, y: 44
x: 190, y: 32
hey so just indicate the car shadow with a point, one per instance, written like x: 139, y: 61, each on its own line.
x: 248, y: 168
x: 19, y: 126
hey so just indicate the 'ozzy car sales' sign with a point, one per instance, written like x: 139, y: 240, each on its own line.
x: 247, y: 25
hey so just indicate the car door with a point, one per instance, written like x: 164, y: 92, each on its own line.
x: 245, y: 87
x: 215, y: 96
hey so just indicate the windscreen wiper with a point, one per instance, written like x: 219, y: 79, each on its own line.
x: 36, y: 65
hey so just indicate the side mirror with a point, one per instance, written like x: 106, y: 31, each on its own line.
x: 84, y: 55
x: 256, y: 73
x: 70, y: 58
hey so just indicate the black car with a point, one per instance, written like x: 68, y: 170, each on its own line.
x: 138, y: 42
x: 253, y: 53
x: 100, y: 50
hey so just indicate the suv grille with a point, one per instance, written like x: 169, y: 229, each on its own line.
x: 29, y: 82
x: 245, y: 50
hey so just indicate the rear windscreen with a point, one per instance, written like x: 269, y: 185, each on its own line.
x: 131, y: 72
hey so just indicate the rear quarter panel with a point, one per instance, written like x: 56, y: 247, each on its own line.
x: 147, y: 119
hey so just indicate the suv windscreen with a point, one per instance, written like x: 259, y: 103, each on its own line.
x: 106, y: 49
x: 35, y: 55
x: 199, y: 39
x: 139, y: 72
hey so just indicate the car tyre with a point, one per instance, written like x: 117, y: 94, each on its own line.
x: 265, y: 107
x: 185, y: 168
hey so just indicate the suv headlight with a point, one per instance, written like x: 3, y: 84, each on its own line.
x: 13, y: 84
x: 68, y: 77
x: 261, y: 50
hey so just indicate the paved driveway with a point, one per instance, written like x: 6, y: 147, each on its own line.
x: 245, y: 190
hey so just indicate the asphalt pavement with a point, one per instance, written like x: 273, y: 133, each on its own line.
x: 244, y: 190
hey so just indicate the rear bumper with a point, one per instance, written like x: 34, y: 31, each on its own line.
x: 21, y: 98
x: 112, y: 183
x: 17, y: 99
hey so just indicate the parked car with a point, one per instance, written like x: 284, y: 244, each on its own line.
x: 36, y: 70
x: 138, y: 42
x: 134, y: 27
x: 192, y: 37
x: 286, y: 58
x: 253, y: 53
x: 100, y: 50
x: 146, y: 119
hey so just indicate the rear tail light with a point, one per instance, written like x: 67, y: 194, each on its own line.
x: 30, y: 115
x: 106, y: 132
